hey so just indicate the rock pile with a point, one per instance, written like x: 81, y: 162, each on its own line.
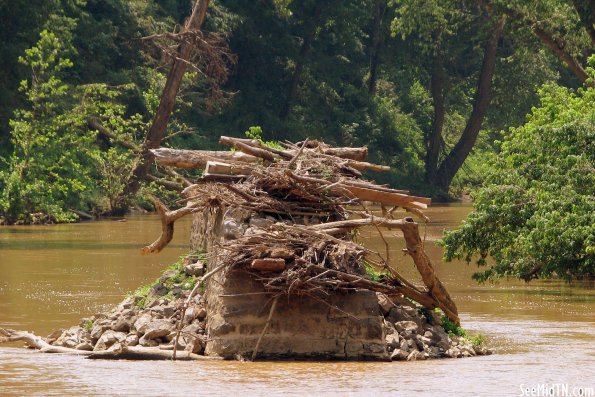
x: 414, y: 334
x: 147, y: 320
x: 150, y: 320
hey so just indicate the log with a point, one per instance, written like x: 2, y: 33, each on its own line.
x: 382, y: 188
x: 365, y: 166
x: 355, y: 223
x: 256, y: 143
x: 352, y: 153
x: 32, y: 340
x: 426, y: 269
x: 146, y: 353
x: 266, y: 153
x: 247, y: 154
x: 268, y: 264
x: 383, y: 196
x: 217, y: 167
x: 248, y: 148
x: 82, y: 214
x: 118, y: 352
x: 197, y: 158
x: 167, y: 225
x: 206, y: 177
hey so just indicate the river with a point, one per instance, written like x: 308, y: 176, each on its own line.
x: 542, y: 333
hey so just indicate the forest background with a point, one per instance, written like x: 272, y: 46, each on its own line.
x: 455, y: 96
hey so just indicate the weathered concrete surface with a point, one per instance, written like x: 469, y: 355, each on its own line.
x: 344, y: 326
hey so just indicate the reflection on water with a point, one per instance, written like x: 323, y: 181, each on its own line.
x: 50, y: 277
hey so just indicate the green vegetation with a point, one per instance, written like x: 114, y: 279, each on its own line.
x: 431, y: 87
x: 173, y: 282
x: 452, y: 328
x: 56, y: 165
x: 88, y: 325
x: 373, y: 273
x: 455, y: 330
x: 255, y: 132
x: 535, y: 214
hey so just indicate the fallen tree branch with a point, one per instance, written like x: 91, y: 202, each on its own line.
x: 355, y: 223
x: 146, y: 353
x: 37, y: 342
x: 414, y: 249
x: 187, y: 303
x: 167, y: 225
x: 171, y: 172
x: 368, y: 193
x: 180, y: 158
x: 170, y: 185
x: 82, y: 214
x: 94, y: 124
x: 352, y: 153
x: 266, y: 327
x: 248, y: 149
x: 426, y: 269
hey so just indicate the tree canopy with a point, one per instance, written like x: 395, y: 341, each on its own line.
x: 535, y: 215
x: 428, y: 86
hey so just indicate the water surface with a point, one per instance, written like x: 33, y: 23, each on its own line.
x: 51, y: 276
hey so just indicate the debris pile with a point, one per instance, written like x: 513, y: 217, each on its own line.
x: 316, y: 196
x: 287, y: 215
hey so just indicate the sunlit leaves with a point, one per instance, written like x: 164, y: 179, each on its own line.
x: 536, y: 214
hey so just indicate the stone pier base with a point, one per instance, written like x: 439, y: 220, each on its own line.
x: 343, y: 326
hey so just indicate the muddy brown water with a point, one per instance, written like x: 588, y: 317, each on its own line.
x: 542, y: 333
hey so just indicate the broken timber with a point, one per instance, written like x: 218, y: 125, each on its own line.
x: 310, y: 188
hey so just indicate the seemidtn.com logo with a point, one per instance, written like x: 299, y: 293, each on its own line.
x: 556, y: 390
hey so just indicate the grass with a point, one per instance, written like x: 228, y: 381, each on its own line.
x: 452, y: 328
x: 373, y: 274
x: 178, y: 279
x: 455, y: 330
x: 88, y: 325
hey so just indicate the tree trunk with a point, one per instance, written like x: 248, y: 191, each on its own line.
x: 168, y: 98
x: 586, y: 13
x: 301, y: 60
x: 554, y: 44
x: 435, y: 139
x: 557, y: 48
x: 377, y: 35
x: 454, y: 160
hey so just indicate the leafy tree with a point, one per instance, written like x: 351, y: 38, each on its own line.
x: 564, y: 27
x: 57, y: 159
x: 536, y: 214
x: 434, y: 25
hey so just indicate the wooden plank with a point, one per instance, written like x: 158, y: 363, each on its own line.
x: 268, y: 264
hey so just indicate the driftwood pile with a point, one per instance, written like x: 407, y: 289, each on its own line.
x: 304, y: 202
x: 317, y: 197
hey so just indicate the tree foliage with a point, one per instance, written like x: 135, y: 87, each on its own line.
x: 535, y: 215
x: 403, y: 77
x: 57, y: 165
